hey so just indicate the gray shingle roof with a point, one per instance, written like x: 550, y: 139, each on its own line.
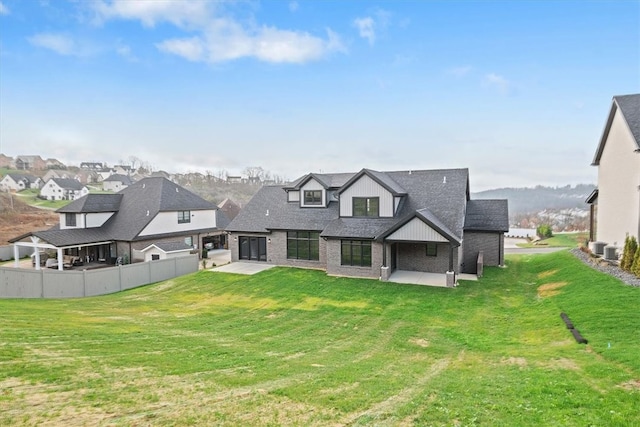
x: 437, y: 196
x: 117, y: 177
x: 629, y: 106
x: 68, y: 183
x: 487, y: 215
x: 23, y: 177
x: 93, y: 203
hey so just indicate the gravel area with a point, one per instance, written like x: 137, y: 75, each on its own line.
x: 612, y: 270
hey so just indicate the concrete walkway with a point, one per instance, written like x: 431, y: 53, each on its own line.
x: 425, y: 279
x: 248, y: 268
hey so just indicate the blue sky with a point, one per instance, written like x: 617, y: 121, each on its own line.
x: 518, y: 92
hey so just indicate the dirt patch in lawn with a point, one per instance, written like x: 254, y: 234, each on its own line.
x: 550, y: 289
x: 420, y: 342
x: 547, y: 273
x: 630, y: 385
x: 22, y: 218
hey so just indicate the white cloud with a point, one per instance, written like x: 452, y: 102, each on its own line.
x: 460, y: 71
x: 499, y: 82
x: 125, y: 51
x: 59, y: 43
x: 293, y: 6
x: 217, y: 38
x: 191, y: 48
x: 4, y: 10
x: 183, y: 13
x: 366, y: 28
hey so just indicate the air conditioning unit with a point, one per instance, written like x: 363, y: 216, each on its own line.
x: 610, y: 253
x: 597, y: 247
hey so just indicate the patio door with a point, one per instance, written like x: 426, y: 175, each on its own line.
x: 253, y: 248
x: 394, y: 254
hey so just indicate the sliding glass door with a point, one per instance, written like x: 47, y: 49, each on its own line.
x: 253, y: 248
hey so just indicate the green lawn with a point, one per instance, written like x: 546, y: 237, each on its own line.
x: 295, y: 347
x: 30, y: 197
x: 561, y: 240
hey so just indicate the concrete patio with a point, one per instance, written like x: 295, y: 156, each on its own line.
x: 248, y: 268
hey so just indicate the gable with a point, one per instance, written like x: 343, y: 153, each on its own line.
x: 417, y: 230
x: 623, y: 122
x: 365, y: 186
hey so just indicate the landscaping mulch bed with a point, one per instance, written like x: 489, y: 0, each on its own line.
x: 613, y: 270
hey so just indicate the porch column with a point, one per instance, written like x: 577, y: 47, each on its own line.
x: 16, y: 256
x: 60, y: 260
x: 37, y: 257
x: 450, y: 257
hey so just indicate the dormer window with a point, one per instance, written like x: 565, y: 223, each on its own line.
x: 312, y: 197
x: 366, y: 206
x: 70, y: 219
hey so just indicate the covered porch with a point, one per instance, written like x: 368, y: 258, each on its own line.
x: 425, y: 279
x: 95, y: 253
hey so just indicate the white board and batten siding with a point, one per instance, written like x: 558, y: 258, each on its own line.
x: 167, y: 222
x: 417, y: 230
x: 293, y: 196
x: 313, y: 185
x: 89, y: 220
x: 367, y: 187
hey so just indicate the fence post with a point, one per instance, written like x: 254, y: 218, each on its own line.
x: 120, y: 276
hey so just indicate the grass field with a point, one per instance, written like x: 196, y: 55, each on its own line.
x: 295, y: 347
x: 30, y: 197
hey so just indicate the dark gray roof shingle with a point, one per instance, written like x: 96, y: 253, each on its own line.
x: 68, y: 183
x: 487, y: 215
x: 93, y: 203
x: 629, y: 106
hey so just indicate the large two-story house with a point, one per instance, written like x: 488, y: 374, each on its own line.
x: 63, y: 189
x: 370, y: 223
x: 104, y: 227
x: 615, y: 205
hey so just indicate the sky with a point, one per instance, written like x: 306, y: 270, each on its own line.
x: 518, y: 92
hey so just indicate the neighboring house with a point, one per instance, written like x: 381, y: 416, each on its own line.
x: 104, y: 227
x: 19, y: 182
x: 103, y: 174
x: 86, y: 176
x: 370, y: 223
x: 234, y: 179
x: 30, y: 163
x: 615, y: 204
x: 116, y: 182
x: 230, y: 208
x: 123, y: 169
x: 6, y: 161
x: 54, y: 164
x: 54, y: 173
x: 91, y: 165
x: 63, y: 189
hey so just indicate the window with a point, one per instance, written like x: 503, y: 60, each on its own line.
x: 366, y: 206
x: 356, y: 252
x: 184, y: 217
x: 303, y: 245
x: 70, y: 219
x: 155, y: 257
x: 432, y: 249
x: 188, y: 241
x: 313, y: 197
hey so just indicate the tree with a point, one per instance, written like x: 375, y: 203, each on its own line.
x: 628, y: 256
x: 543, y: 231
x: 635, y: 267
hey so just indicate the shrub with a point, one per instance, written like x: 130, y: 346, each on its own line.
x: 543, y: 231
x: 628, y: 256
x: 205, y: 253
x: 635, y: 267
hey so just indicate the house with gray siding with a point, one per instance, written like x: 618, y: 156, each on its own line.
x: 615, y: 204
x: 371, y: 223
x: 153, y: 213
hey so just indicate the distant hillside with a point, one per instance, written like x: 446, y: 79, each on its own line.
x: 539, y: 198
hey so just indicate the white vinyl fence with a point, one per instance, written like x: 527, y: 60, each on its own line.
x: 6, y: 252
x: 47, y: 283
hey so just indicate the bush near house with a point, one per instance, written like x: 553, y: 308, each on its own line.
x: 544, y: 231
x: 630, y: 248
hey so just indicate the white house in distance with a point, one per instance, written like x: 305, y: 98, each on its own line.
x: 116, y: 182
x: 63, y: 189
x: 19, y: 182
x: 615, y: 204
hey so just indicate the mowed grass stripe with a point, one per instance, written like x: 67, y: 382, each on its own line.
x: 295, y: 347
